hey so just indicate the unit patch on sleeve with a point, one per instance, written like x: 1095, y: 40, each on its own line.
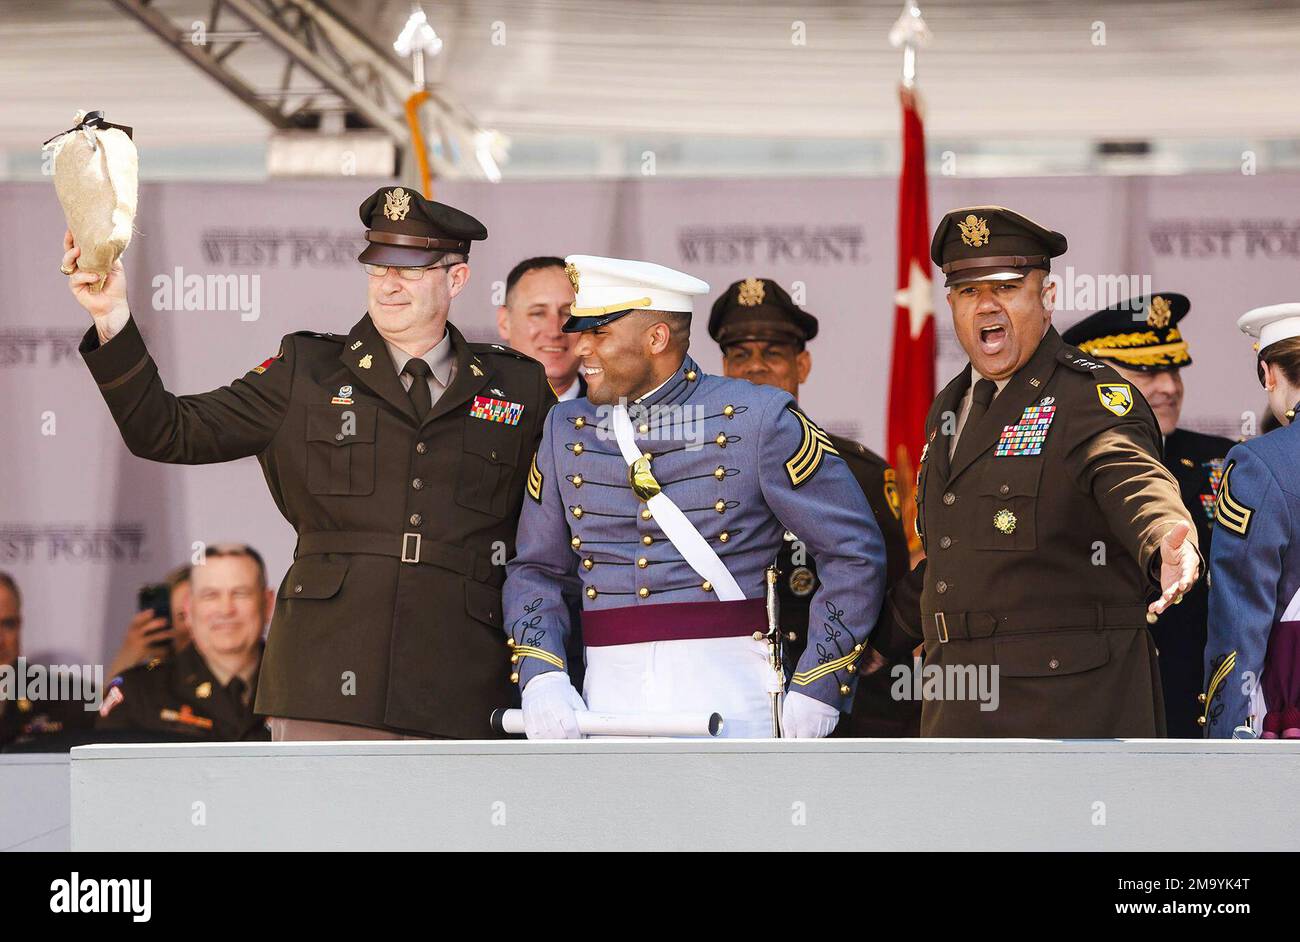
x: 1116, y: 397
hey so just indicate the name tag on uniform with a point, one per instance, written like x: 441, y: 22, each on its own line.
x: 496, y: 410
x: 1026, y: 437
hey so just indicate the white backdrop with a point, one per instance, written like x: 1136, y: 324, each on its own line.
x: 83, y: 523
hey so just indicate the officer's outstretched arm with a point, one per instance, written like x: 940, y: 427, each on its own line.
x: 543, y: 571
x: 227, y: 423
x: 814, y: 494
x: 1116, y: 460
x: 1251, y: 530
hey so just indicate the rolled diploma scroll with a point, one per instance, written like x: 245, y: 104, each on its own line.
x: 623, y: 724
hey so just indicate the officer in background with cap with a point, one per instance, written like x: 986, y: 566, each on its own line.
x: 399, y: 454
x: 763, y: 335
x: 661, y: 499
x: 1141, y: 339
x: 1252, y: 666
x: 1045, y: 513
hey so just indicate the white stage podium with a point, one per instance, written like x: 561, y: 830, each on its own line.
x: 678, y: 795
x: 34, y: 802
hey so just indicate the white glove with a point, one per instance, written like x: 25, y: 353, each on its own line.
x: 550, y: 703
x: 804, y: 717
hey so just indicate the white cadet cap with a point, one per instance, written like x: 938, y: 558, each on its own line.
x: 608, y: 288
x: 1272, y: 323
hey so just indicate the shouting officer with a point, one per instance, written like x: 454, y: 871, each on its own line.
x: 662, y: 498
x: 1044, y: 510
x: 1141, y: 339
x: 398, y: 453
x: 764, y: 335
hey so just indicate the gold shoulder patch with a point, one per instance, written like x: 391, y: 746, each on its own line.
x: 1229, y: 512
x: 1116, y: 397
x: 807, y: 458
x: 535, y: 481
x: 891, y: 493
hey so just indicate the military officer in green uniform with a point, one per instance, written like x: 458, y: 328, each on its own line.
x: 205, y: 691
x: 1048, y: 520
x: 764, y: 335
x: 1141, y: 339
x: 399, y: 454
x: 32, y: 724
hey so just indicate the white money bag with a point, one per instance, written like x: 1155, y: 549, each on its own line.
x: 95, y: 177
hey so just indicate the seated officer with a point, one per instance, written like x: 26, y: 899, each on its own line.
x: 763, y: 336
x: 205, y: 691
x: 662, y: 498
x: 27, y: 722
x: 1141, y: 340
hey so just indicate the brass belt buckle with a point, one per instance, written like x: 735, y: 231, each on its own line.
x: 941, y: 623
x: 414, y: 555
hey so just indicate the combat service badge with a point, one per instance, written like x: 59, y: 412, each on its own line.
x: 1116, y: 397
x: 891, y: 492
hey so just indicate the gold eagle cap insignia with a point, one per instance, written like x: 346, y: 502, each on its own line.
x: 974, y: 231
x: 1159, y: 313
x: 571, y: 270
x: 397, y: 203
x: 751, y: 292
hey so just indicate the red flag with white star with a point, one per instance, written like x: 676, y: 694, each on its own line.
x: 911, y: 374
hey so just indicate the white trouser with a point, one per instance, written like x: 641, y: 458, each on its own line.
x: 728, y: 676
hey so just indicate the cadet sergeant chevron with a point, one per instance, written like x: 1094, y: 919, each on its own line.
x: 661, y: 498
x: 1044, y: 509
x: 398, y: 453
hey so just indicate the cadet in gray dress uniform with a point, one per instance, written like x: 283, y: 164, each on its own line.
x: 661, y: 499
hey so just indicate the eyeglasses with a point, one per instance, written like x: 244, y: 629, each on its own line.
x: 406, y: 274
